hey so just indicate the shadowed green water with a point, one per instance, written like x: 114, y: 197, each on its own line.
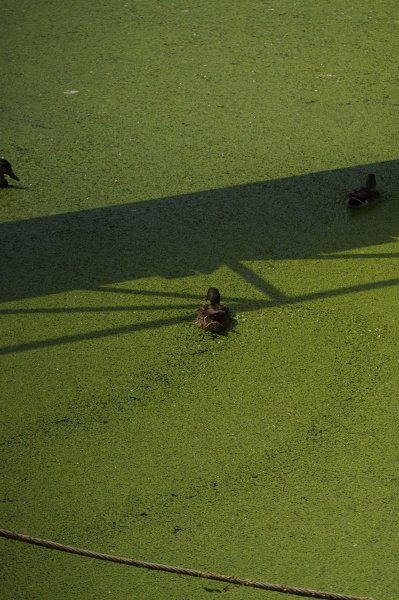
x: 208, y: 143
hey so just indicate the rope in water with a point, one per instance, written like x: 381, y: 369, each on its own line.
x: 285, y: 589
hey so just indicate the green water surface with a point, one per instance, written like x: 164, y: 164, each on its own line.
x: 164, y: 147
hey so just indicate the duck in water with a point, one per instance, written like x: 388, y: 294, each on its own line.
x: 213, y: 317
x: 363, y: 197
x: 6, y: 169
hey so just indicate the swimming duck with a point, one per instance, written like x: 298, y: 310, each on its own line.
x: 363, y: 197
x: 6, y: 169
x: 214, y: 317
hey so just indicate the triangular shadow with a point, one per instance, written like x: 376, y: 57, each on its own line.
x: 290, y: 218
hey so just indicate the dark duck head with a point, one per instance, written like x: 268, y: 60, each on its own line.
x: 213, y: 296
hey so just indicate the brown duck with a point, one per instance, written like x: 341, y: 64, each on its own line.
x: 213, y: 317
x: 363, y: 197
x: 6, y: 169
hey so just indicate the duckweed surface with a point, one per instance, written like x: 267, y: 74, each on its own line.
x: 162, y: 148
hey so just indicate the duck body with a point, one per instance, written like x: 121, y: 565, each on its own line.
x: 6, y: 169
x: 213, y: 317
x: 366, y: 196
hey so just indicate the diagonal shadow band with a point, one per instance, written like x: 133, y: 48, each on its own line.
x: 247, y: 305
x: 157, y: 293
x: 290, y: 218
x: 360, y: 255
x: 259, y: 283
x: 90, y: 309
x: 92, y: 335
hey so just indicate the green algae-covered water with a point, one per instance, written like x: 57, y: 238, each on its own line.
x: 162, y: 148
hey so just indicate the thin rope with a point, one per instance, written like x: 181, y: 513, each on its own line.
x: 284, y: 589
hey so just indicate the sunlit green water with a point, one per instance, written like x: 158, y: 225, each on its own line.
x: 209, y: 143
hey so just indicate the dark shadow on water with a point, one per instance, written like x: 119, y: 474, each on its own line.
x: 293, y: 218
x: 236, y: 304
x: 297, y: 217
x: 90, y: 335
